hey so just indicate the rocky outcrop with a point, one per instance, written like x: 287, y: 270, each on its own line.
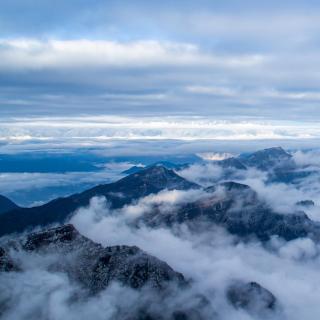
x: 305, y: 203
x: 251, y: 296
x: 97, y: 267
x: 6, y: 263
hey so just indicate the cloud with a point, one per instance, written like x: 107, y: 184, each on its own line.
x: 26, y: 54
x: 213, y: 259
x: 215, y: 156
x: 149, y: 58
x: 108, y: 128
x: 34, y: 188
x: 307, y: 158
x: 203, y: 174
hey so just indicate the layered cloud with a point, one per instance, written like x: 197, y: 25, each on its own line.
x: 230, y: 59
x: 101, y: 128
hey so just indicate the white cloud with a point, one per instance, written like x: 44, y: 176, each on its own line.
x: 214, y: 156
x: 213, y: 259
x: 203, y: 174
x: 20, y: 54
x: 307, y: 158
x: 107, y: 128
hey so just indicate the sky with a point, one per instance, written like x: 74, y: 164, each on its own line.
x: 177, y: 62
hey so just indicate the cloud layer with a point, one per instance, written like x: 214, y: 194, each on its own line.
x: 219, y: 59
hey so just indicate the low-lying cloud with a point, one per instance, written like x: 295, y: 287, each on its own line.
x: 213, y: 259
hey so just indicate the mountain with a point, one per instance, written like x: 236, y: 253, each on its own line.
x: 96, y: 268
x: 305, y: 203
x: 251, y: 296
x: 163, y: 292
x: 237, y: 208
x: 132, y: 170
x: 6, y: 204
x: 165, y: 164
x: 118, y: 194
x: 6, y: 263
x: 266, y: 159
x: 231, y: 163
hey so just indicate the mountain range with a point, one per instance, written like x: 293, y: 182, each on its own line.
x: 251, y: 216
x: 227, y: 204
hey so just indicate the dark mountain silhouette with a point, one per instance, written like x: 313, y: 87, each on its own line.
x: 132, y: 170
x: 166, y: 164
x: 124, y: 191
x: 6, y: 204
x: 237, y: 207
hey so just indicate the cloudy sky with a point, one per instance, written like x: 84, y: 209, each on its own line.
x: 239, y: 61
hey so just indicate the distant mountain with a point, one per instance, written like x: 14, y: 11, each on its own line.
x: 132, y: 170
x: 6, y: 205
x: 165, y: 164
x: 266, y: 159
x: 238, y: 209
x: 231, y: 163
x: 118, y: 194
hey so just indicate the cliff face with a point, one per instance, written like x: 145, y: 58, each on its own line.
x: 96, y: 267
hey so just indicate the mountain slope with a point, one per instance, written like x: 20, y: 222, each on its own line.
x: 266, y: 159
x: 97, y: 267
x: 237, y: 208
x: 124, y: 191
x: 63, y: 251
x: 6, y: 204
x: 162, y: 293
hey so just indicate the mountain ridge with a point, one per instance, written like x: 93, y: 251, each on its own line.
x: 119, y: 193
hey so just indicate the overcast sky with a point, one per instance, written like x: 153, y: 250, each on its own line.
x: 221, y: 59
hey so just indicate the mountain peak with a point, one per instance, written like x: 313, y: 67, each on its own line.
x: 96, y: 266
x: 267, y: 158
x: 158, y: 177
x: 232, y: 185
x: 231, y: 163
x: 66, y: 233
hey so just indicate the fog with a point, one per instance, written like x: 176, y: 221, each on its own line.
x: 214, y: 259
x: 211, y: 259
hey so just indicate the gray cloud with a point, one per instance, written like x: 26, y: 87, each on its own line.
x: 248, y: 59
